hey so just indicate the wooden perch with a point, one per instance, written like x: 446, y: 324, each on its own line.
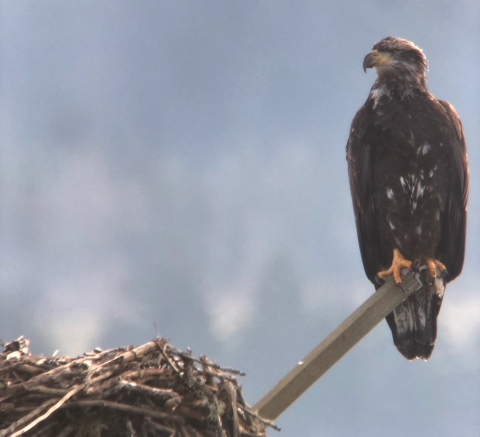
x: 337, y: 344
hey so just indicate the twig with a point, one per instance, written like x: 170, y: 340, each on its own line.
x: 66, y: 431
x: 247, y: 434
x: 161, y: 428
x: 162, y: 349
x: 131, y: 429
x: 50, y: 411
x: 266, y: 422
x: 184, y: 431
x: 215, y: 374
x: 208, y: 362
x: 46, y: 390
x: 25, y: 419
x: 131, y: 354
x: 154, y: 392
x: 122, y: 407
x: 231, y: 401
x: 43, y: 429
x: 228, y: 370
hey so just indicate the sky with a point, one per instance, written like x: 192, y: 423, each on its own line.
x: 178, y: 168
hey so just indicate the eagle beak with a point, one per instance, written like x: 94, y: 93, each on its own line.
x: 376, y: 58
x: 369, y: 60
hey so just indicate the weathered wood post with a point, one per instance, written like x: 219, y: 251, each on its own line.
x: 337, y: 344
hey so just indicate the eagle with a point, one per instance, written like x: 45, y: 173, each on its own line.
x: 408, y: 172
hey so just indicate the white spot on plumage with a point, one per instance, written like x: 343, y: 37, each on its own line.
x: 439, y: 285
x: 392, y: 226
x: 376, y: 94
x: 424, y: 149
x: 389, y: 193
x: 419, y: 189
x: 413, y: 187
x: 419, y: 229
x: 430, y: 173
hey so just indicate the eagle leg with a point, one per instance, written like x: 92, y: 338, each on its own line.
x: 398, y: 263
x: 432, y: 267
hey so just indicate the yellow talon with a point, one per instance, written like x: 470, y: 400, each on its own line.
x: 398, y: 263
x: 432, y: 264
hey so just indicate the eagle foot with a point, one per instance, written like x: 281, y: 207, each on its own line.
x: 433, y: 269
x: 398, y: 263
x: 432, y: 265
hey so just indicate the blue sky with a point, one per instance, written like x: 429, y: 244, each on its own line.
x: 179, y: 167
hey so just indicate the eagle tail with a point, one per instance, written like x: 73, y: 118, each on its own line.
x: 414, y: 322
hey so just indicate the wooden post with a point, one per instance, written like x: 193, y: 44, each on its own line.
x: 337, y: 344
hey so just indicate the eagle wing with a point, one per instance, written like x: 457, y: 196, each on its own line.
x: 454, y: 217
x: 360, y: 152
x: 376, y: 253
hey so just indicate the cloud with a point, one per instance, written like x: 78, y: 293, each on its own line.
x: 229, y: 314
x: 461, y: 323
x: 74, y: 312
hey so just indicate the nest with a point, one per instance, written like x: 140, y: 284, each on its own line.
x: 146, y: 391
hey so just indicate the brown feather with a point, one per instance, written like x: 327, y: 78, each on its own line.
x: 408, y: 171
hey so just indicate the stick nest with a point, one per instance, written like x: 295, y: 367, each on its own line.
x: 146, y: 391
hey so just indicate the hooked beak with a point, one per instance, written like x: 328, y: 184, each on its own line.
x: 369, y: 61
x: 375, y: 59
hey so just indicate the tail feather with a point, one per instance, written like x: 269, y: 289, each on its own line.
x: 414, y: 322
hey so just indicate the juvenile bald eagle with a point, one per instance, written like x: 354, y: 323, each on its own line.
x: 408, y: 170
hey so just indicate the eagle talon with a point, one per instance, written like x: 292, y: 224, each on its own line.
x: 432, y: 266
x: 395, y: 269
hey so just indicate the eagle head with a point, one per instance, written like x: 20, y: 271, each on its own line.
x: 391, y: 54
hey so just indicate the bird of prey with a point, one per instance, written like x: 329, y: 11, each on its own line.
x: 408, y: 171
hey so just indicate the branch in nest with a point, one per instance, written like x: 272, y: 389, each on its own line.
x: 153, y: 390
